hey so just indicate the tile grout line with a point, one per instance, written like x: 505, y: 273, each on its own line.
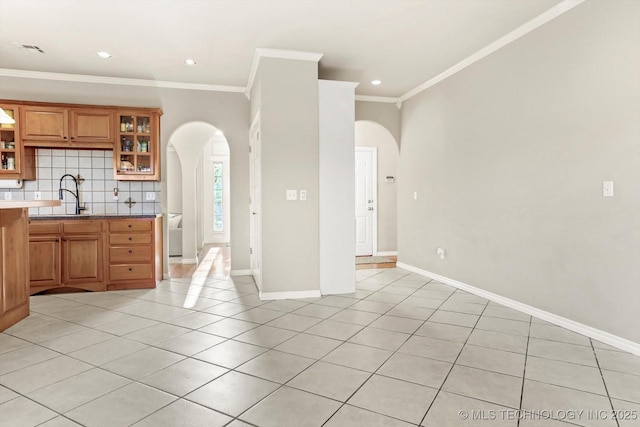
x: 524, y: 371
x: 606, y: 389
x: 318, y: 360
x: 454, y: 363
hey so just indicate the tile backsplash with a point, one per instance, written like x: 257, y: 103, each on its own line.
x: 96, y: 191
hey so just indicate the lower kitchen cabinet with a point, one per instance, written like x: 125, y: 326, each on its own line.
x: 134, y: 246
x: 44, y: 263
x: 66, y: 254
x: 83, y: 261
x: 95, y: 255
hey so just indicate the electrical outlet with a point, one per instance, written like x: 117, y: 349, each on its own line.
x: 440, y: 253
x: 150, y: 196
x: 7, y: 195
x: 37, y: 195
x: 607, y: 189
x: 292, y: 194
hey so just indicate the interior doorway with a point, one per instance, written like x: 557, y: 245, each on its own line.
x: 198, y: 197
x: 366, y: 194
x: 255, y: 201
x: 377, y: 157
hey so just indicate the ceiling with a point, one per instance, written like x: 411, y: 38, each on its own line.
x: 404, y: 43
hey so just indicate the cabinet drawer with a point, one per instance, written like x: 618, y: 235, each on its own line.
x: 44, y: 228
x: 82, y: 227
x: 124, y: 226
x: 121, y: 254
x: 130, y: 272
x: 123, y: 239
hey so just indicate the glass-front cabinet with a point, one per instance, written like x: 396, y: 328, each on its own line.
x: 13, y: 161
x: 137, y: 149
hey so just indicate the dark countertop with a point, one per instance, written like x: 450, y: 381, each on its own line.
x: 89, y: 217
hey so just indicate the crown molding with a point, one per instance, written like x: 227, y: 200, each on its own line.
x: 81, y: 78
x: 385, y: 99
x: 276, y: 53
x: 522, y: 30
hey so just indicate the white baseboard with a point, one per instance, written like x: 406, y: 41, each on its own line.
x: 165, y: 276
x: 240, y: 273
x: 289, y: 295
x: 387, y: 253
x: 602, y: 336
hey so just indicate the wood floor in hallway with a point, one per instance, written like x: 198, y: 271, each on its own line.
x: 215, y: 261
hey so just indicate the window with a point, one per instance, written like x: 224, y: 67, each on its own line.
x: 217, y: 197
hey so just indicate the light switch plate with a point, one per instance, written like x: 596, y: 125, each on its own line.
x: 7, y: 195
x: 292, y: 194
x: 303, y: 194
x: 607, y: 189
x: 37, y: 195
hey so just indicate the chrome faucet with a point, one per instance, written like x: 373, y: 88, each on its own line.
x: 76, y: 194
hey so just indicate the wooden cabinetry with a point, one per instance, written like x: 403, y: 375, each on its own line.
x: 95, y: 255
x: 82, y: 259
x: 14, y: 266
x: 134, y: 252
x: 132, y: 133
x: 92, y: 126
x: 66, y: 254
x: 55, y: 126
x: 44, y: 257
x: 17, y: 162
x: 137, y: 151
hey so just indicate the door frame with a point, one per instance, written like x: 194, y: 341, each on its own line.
x: 374, y: 184
x: 255, y: 201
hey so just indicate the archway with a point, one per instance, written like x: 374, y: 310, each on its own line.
x: 373, y: 134
x: 198, y: 158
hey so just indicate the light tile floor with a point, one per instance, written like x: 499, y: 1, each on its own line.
x: 400, y: 351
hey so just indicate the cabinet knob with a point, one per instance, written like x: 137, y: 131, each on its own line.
x: 130, y: 251
x: 130, y: 238
x: 129, y: 225
x: 57, y: 240
x: 130, y: 269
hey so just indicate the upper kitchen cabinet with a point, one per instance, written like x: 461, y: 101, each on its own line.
x: 137, y: 152
x: 17, y: 162
x: 65, y: 127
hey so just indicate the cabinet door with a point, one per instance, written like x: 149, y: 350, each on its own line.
x: 92, y: 126
x: 10, y: 145
x: 136, y: 152
x: 41, y: 123
x: 44, y: 267
x: 82, y: 259
x: 14, y: 262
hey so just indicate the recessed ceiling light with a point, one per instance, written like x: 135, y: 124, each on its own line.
x: 376, y: 82
x: 189, y: 61
x: 104, y: 55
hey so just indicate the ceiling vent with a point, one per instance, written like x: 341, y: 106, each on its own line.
x: 29, y: 48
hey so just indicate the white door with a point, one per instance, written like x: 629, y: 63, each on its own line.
x: 255, y: 177
x: 366, y: 189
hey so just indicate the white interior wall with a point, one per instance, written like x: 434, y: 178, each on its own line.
x: 508, y: 158
x: 174, y: 181
x: 337, y: 186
